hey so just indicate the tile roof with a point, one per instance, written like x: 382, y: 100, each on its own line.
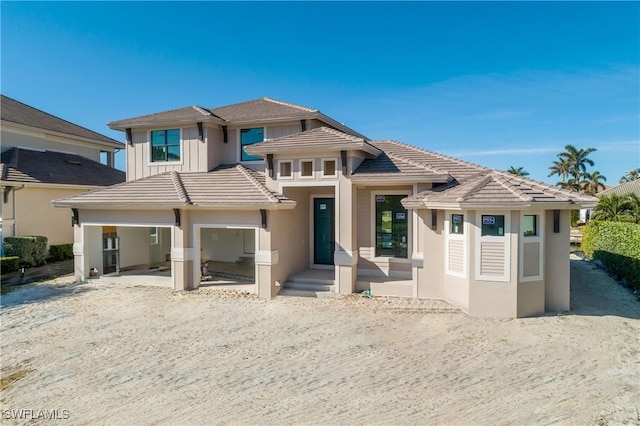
x: 16, y: 112
x: 400, y: 161
x: 225, y: 187
x: 262, y: 109
x: 632, y: 187
x: 493, y: 188
x: 254, y: 111
x: 29, y: 166
x: 318, y: 139
x: 190, y: 114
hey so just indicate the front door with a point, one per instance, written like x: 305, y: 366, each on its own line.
x: 323, y: 231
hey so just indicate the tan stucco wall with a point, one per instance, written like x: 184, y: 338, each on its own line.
x: 556, y: 263
x: 35, y: 215
x: 39, y: 140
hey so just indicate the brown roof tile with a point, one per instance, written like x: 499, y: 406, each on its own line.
x: 16, y: 112
x: 226, y: 187
x: 24, y: 165
x: 318, y: 139
x: 632, y: 187
x: 262, y: 109
x: 190, y: 114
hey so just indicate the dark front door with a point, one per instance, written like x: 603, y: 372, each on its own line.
x: 323, y: 231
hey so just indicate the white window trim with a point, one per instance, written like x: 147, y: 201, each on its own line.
x: 313, y: 168
x: 506, y: 238
x: 335, y: 162
x: 154, y: 235
x: 539, y: 238
x: 239, y: 139
x: 391, y: 259
x: 279, y: 174
x: 456, y: 237
x: 150, y: 161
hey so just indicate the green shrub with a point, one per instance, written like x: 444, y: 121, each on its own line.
x: 9, y: 264
x: 59, y: 252
x: 31, y: 250
x: 617, y: 245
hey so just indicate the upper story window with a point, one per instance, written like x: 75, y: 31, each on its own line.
x: 329, y: 168
x: 249, y: 137
x: 306, y: 168
x: 165, y: 145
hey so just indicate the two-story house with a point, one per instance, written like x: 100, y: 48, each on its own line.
x: 292, y: 200
x: 45, y: 158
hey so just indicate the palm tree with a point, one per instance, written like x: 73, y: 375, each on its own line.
x: 630, y: 176
x: 633, y: 206
x: 570, y: 185
x: 577, y: 159
x: 592, y: 182
x: 611, y: 207
x: 560, y: 168
x: 520, y: 171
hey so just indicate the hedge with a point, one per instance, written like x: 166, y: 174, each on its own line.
x: 32, y: 251
x: 58, y: 252
x: 9, y: 264
x: 617, y: 245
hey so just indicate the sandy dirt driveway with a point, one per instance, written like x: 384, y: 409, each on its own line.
x: 116, y: 355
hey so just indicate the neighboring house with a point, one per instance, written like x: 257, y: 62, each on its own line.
x: 289, y: 199
x: 626, y: 188
x: 45, y: 158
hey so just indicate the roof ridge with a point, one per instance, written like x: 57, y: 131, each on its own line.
x: 504, y: 182
x: 562, y: 194
x: 336, y: 132
x: 153, y: 114
x: 257, y: 184
x: 290, y: 104
x: 474, y: 188
x: 202, y: 110
x: 181, y: 191
x: 435, y: 154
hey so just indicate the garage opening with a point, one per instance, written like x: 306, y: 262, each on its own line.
x: 227, y: 258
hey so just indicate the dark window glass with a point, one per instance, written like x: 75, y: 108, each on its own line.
x: 493, y: 225
x: 249, y: 137
x: 165, y: 145
x: 391, y: 226
x: 457, y: 224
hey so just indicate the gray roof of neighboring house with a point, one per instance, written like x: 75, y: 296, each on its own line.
x: 16, y: 112
x: 318, y: 139
x: 225, y: 187
x: 255, y: 111
x: 30, y: 166
x: 632, y: 187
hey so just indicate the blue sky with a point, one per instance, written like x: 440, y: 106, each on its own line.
x: 499, y: 83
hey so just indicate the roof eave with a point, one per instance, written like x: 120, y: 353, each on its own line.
x: 122, y: 126
x: 401, y: 177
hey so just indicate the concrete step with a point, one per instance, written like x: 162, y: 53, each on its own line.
x: 303, y: 293
x: 309, y: 285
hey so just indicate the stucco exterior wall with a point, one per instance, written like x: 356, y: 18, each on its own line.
x: 557, y: 264
x: 35, y: 215
x: 33, y: 139
x: 134, y: 246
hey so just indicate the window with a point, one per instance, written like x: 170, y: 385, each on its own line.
x: 285, y: 169
x: 249, y: 137
x: 328, y: 168
x: 530, y: 225
x: 306, y: 168
x: 457, y: 224
x: 153, y: 236
x: 165, y: 145
x: 493, y: 225
x: 391, y: 226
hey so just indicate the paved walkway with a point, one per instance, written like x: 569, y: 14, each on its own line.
x: 39, y: 273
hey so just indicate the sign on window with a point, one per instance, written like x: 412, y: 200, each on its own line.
x: 488, y: 220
